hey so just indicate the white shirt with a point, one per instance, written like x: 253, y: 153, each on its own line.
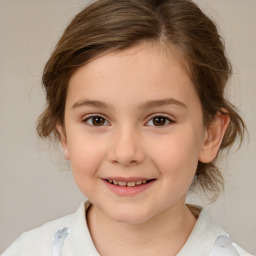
x: 39, y: 241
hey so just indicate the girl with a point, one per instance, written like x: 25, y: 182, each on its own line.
x: 135, y: 95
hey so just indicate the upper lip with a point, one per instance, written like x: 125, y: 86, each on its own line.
x: 127, y: 179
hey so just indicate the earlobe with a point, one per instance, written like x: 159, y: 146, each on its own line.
x: 213, y: 137
x: 63, y: 140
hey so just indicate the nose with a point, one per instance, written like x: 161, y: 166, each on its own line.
x: 126, y: 147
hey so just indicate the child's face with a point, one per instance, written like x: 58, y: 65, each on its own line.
x: 133, y: 116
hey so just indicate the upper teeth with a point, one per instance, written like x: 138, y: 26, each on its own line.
x: 128, y: 184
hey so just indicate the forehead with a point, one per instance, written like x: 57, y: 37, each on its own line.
x: 145, y: 71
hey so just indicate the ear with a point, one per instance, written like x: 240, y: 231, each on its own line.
x: 63, y: 140
x: 213, y: 138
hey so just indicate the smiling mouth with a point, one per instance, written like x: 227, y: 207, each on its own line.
x: 129, y: 183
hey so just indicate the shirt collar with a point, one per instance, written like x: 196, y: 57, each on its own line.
x: 203, y: 236
x: 200, y: 241
x: 79, y: 241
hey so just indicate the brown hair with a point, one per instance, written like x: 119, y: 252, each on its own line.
x: 109, y: 25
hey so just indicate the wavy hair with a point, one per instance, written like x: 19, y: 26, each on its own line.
x: 109, y: 25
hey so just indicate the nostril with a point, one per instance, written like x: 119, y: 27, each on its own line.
x: 133, y: 162
x: 125, y: 163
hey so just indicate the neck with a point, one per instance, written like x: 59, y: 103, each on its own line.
x: 164, y: 234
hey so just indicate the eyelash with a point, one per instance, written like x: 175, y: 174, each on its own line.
x: 90, y: 117
x: 167, y: 120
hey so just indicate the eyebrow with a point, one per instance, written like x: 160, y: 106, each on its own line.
x: 93, y: 103
x: 163, y: 102
x: 147, y: 104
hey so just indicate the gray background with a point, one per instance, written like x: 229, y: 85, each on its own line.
x: 36, y: 185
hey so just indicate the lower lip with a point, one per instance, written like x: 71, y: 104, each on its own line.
x: 128, y: 191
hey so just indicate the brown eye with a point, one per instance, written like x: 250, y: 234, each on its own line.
x: 96, y: 121
x: 159, y: 121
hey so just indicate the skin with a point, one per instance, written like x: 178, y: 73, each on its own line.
x: 126, y: 142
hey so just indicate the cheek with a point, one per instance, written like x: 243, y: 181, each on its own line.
x: 86, y: 155
x: 177, y: 156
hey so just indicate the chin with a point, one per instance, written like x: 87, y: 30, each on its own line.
x: 131, y: 216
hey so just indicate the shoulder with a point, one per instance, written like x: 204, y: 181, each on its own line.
x: 38, y: 241
x: 241, y: 251
x: 225, y: 247
x: 207, y: 238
